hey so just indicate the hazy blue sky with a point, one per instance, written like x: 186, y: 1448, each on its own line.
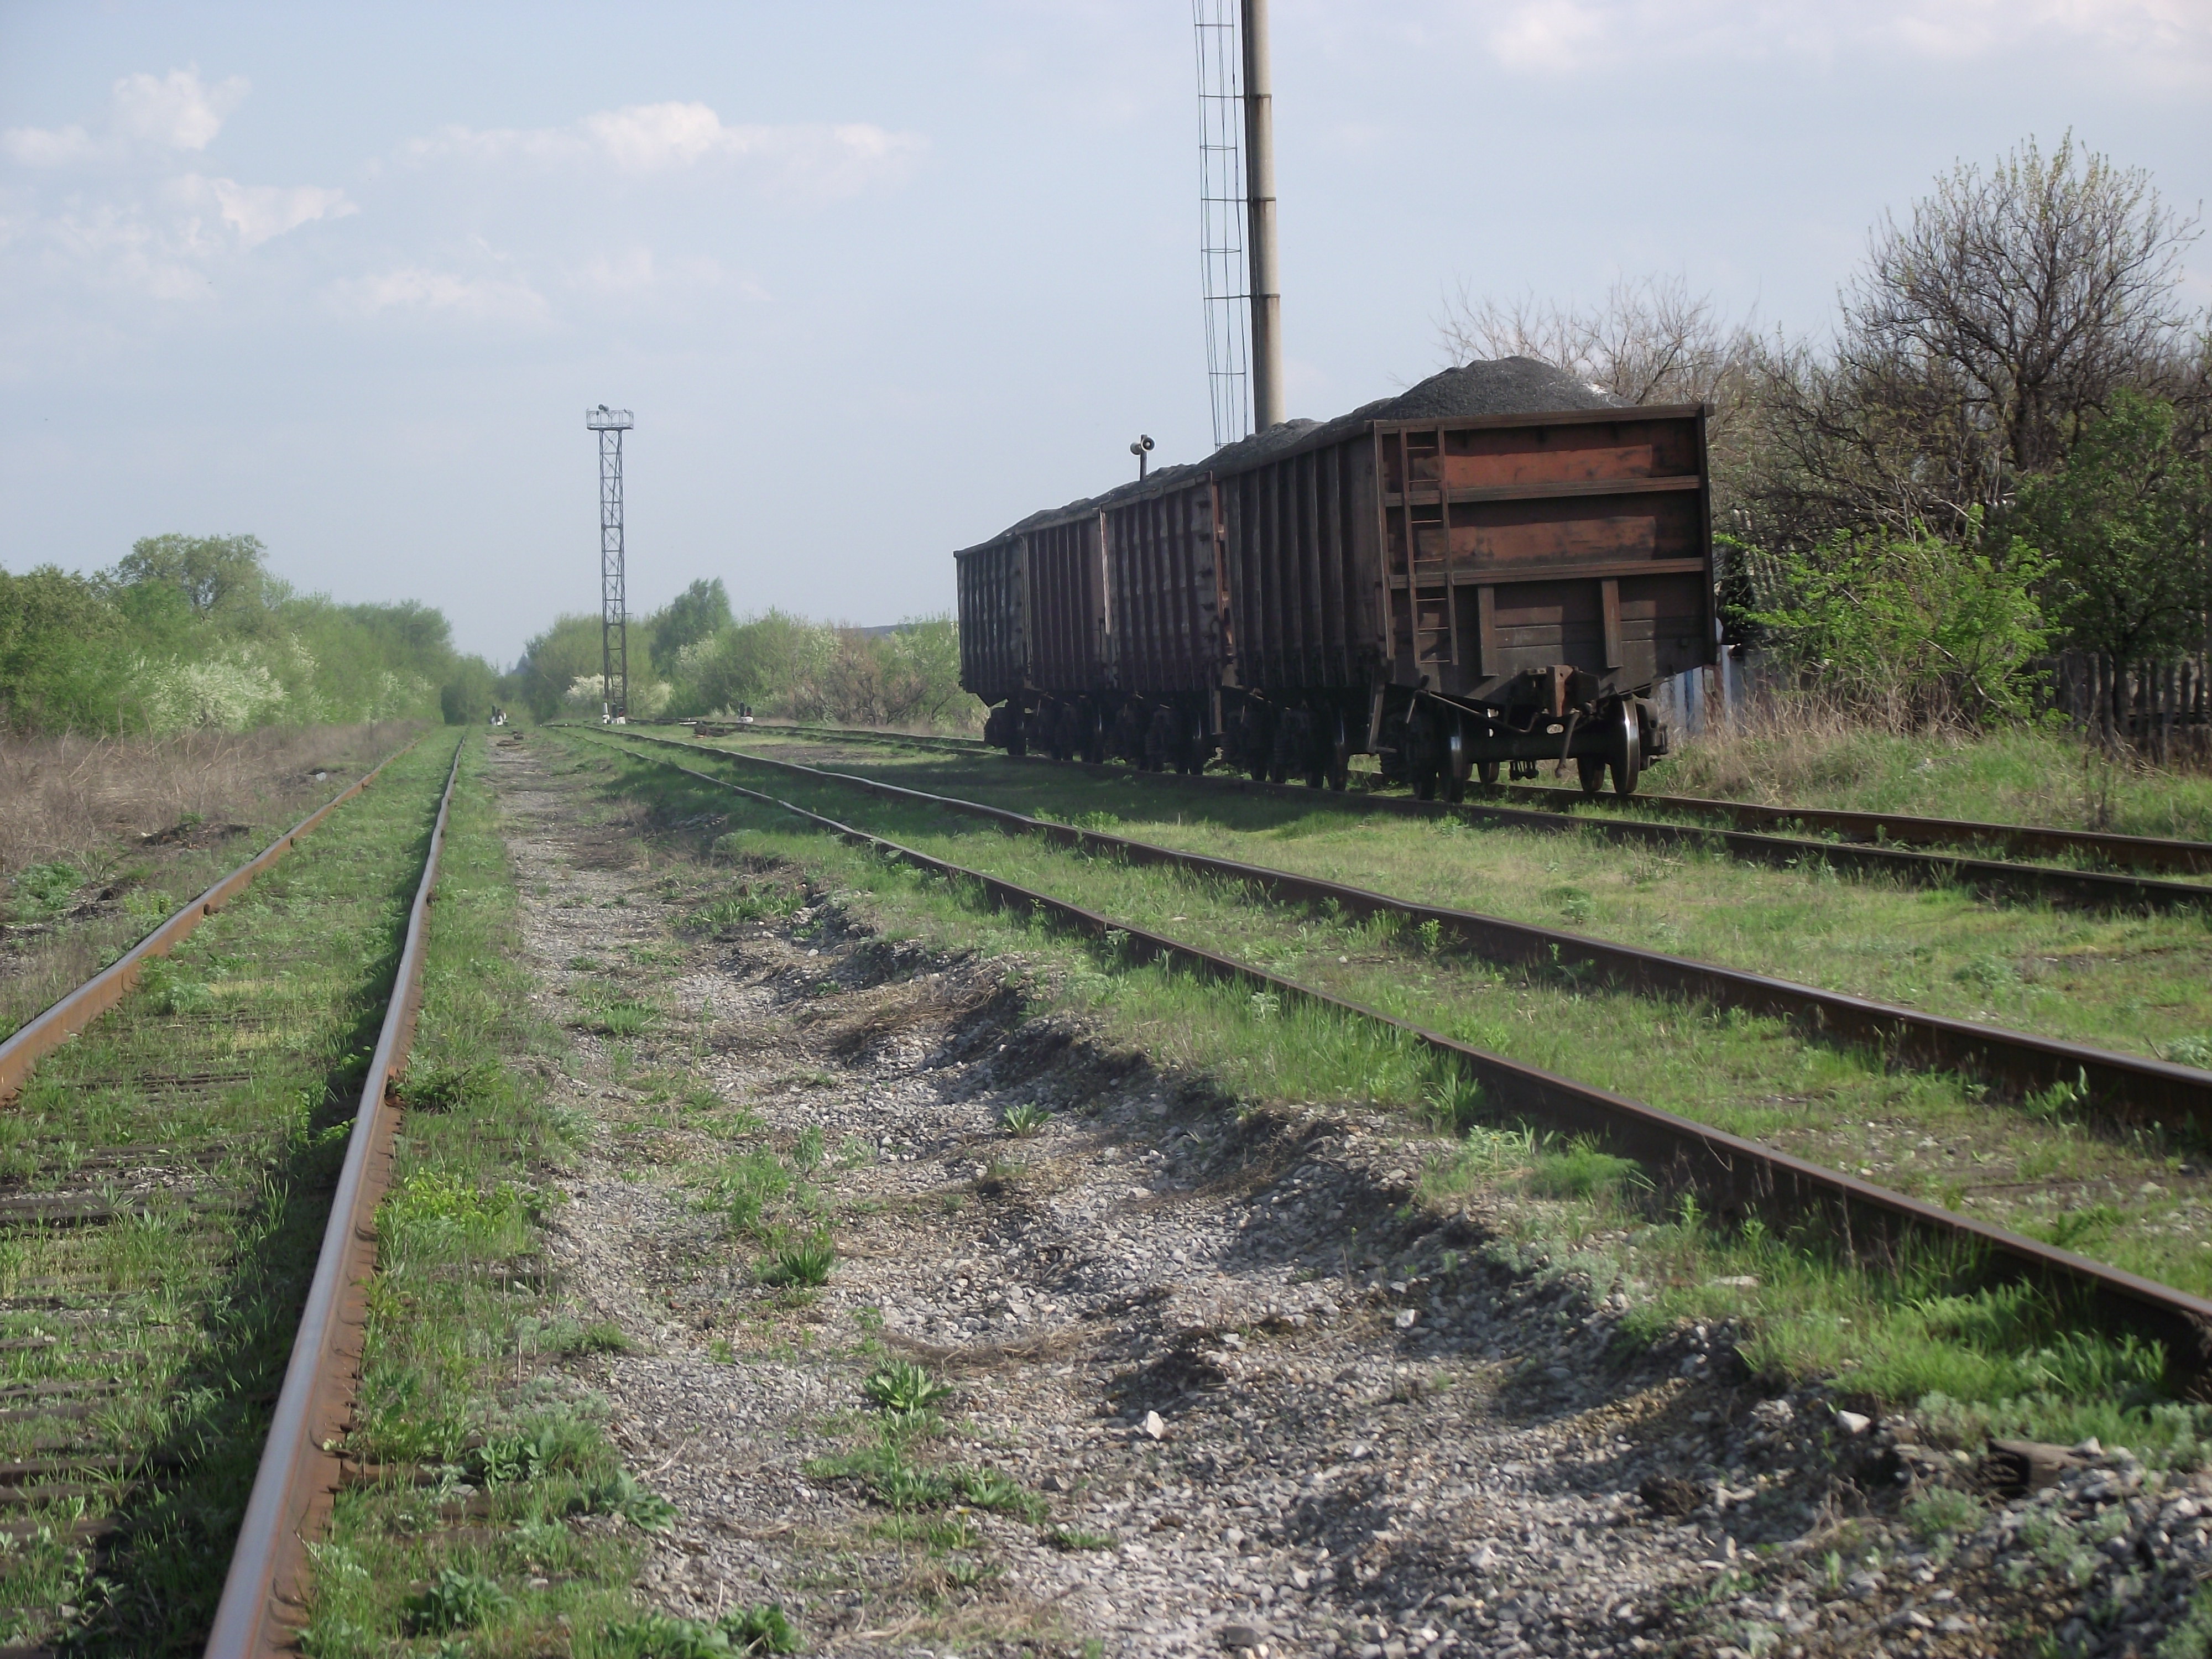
x: 879, y: 279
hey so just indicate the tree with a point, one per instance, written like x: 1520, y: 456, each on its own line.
x: 699, y: 612
x: 2127, y: 521
x: 466, y: 699
x: 554, y: 660
x: 59, y: 634
x: 1652, y: 341
x: 2031, y: 293
x: 773, y: 657
x: 1978, y: 341
x: 926, y: 653
x: 211, y: 572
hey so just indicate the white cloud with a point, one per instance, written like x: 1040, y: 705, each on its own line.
x: 812, y: 158
x: 177, y: 109
x: 638, y: 271
x: 1550, y: 35
x: 139, y: 222
x: 2168, y: 39
x: 645, y: 138
x: 41, y: 146
x: 118, y: 247
x: 420, y: 290
x: 257, y: 212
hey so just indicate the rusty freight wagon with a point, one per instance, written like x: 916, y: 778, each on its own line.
x: 1490, y: 571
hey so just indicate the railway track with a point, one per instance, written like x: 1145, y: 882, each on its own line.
x: 2122, y: 1087
x: 1862, y: 846
x: 163, y: 1184
x: 1730, y: 1174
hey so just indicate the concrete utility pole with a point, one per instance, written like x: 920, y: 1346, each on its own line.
x: 1260, y: 200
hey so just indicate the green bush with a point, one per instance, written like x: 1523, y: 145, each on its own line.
x: 785, y: 665
x: 2124, y: 521
x: 194, y: 632
x: 1925, y: 629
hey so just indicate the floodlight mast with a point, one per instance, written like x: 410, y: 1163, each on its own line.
x: 614, y: 616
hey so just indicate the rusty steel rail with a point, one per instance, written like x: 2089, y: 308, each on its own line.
x: 2124, y: 1086
x: 1732, y: 1174
x: 258, y: 1615
x: 2096, y: 889
x: 39, y: 1036
x: 2020, y: 840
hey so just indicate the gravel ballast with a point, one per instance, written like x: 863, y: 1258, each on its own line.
x: 1261, y: 1394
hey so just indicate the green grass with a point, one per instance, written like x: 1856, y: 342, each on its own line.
x: 798, y: 1264
x: 763, y: 1629
x: 242, y: 1059
x: 2015, y: 775
x: 1069, y: 1540
x: 902, y: 1387
x: 2138, y: 983
x: 1931, y: 1329
x: 463, y: 1355
x: 2031, y: 1165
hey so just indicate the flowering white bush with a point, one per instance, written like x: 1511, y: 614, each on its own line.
x: 648, y: 699
x: 231, y: 692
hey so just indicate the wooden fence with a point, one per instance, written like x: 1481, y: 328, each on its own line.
x: 2160, y: 710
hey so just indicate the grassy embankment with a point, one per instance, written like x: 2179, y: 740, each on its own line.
x: 1927, y: 1330
x: 502, y: 1518
x: 2013, y: 775
x: 2139, y: 984
x: 103, y: 840
x: 210, y: 1110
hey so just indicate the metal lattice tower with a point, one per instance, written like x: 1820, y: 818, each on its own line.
x: 1225, y: 272
x: 614, y: 616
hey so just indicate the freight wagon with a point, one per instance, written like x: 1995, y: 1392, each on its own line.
x: 1489, y: 571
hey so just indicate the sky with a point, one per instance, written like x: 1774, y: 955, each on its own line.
x: 878, y: 280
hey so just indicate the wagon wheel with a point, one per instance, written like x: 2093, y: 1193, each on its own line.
x: 1424, y: 782
x: 1455, y: 787
x: 1486, y: 771
x: 1591, y: 768
x: 1627, y: 757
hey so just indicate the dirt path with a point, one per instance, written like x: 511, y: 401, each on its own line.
x: 1247, y: 1394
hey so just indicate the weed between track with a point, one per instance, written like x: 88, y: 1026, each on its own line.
x: 2136, y: 983
x: 101, y: 841
x: 1926, y: 1330
x: 486, y: 1504
x: 208, y: 1113
x: 2138, y: 1198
